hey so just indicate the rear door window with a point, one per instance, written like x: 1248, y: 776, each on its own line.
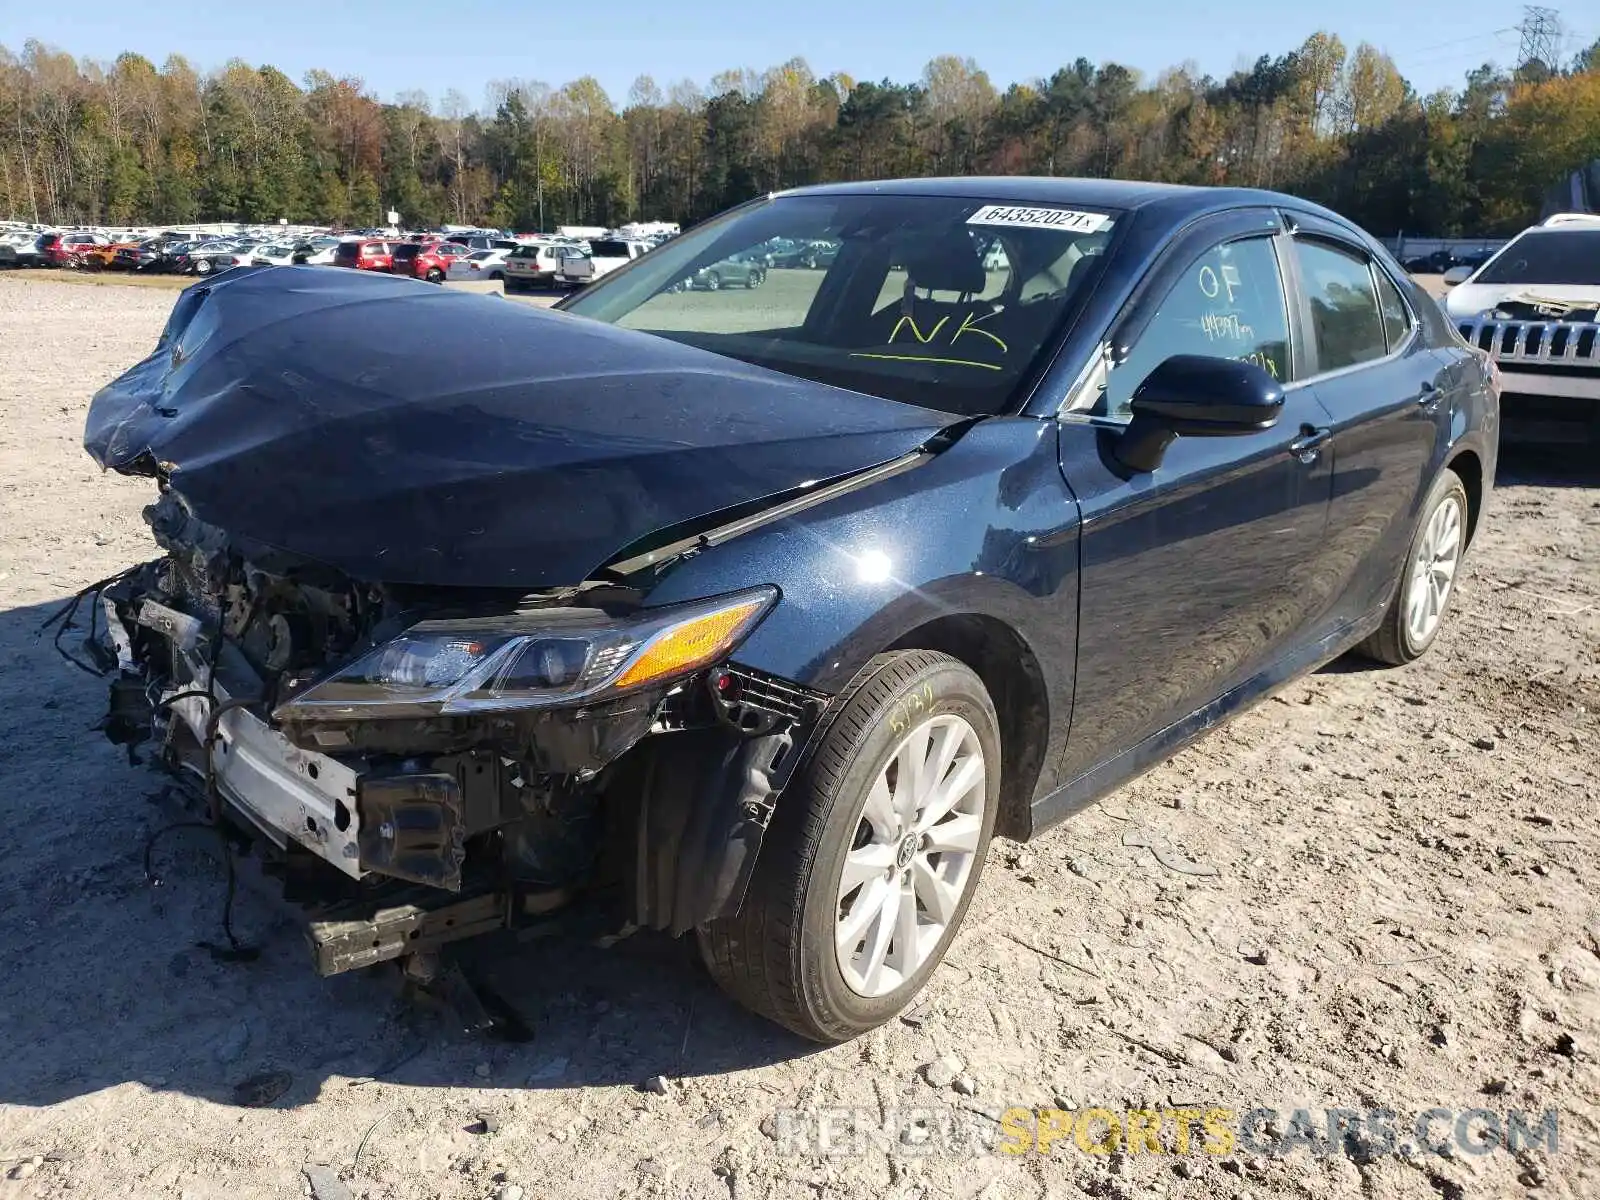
x: 1345, y: 320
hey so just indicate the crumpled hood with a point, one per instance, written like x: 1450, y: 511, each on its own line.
x: 1468, y: 300
x: 410, y: 434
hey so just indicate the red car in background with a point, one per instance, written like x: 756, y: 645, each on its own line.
x: 69, y: 249
x: 427, y: 260
x: 365, y: 254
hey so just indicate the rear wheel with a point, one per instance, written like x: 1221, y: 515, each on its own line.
x: 435, y: 275
x: 202, y: 266
x: 1427, y: 580
x: 873, y: 856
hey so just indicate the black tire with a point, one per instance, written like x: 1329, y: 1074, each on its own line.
x: 1393, y: 643
x: 202, y: 266
x: 713, y: 282
x: 776, y: 956
x: 435, y: 275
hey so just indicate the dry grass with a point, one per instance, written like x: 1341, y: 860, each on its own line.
x: 171, y: 283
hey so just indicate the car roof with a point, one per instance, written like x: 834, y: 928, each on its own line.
x: 1571, y: 221
x: 1564, y: 228
x: 1174, y: 199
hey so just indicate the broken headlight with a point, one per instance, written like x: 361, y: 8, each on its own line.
x: 535, y: 660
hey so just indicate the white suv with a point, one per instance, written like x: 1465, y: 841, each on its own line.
x: 605, y: 255
x: 533, y: 265
x: 1534, y: 308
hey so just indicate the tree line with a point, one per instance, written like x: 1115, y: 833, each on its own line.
x: 131, y: 143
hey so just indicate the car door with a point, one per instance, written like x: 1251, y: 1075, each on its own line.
x: 1193, y: 575
x: 1382, y: 386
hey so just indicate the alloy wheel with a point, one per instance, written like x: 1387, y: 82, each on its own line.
x: 912, y: 856
x: 1433, y: 570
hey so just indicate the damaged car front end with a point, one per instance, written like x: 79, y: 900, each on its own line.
x: 439, y: 705
x: 465, y: 750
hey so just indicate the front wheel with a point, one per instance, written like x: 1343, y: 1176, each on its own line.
x: 873, y: 855
x: 1427, y: 580
x: 435, y: 275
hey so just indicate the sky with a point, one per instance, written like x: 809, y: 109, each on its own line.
x: 463, y: 44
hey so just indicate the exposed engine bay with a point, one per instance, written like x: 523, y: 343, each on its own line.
x: 1530, y: 307
x: 404, y: 755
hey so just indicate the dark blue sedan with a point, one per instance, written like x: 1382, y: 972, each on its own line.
x: 770, y: 608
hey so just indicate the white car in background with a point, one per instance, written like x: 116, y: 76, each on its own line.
x: 480, y: 264
x: 605, y: 255
x: 1534, y: 309
x: 317, y: 251
x: 20, y: 248
x: 280, y: 254
x: 534, y: 264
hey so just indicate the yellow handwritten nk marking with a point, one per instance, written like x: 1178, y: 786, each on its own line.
x: 915, y: 332
x: 969, y: 324
x: 922, y: 358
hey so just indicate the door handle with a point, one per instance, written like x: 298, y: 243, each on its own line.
x: 1428, y: 397
x: 1308, y: 446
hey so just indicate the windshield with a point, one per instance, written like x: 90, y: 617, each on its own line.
x: 943, y: 302
x: 1570, y: 256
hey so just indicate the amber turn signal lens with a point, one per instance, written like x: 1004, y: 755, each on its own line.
x: 695, y: 643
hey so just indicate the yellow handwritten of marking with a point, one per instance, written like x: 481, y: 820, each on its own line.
x: 915, y: 332
x: 1212, y: 286
x: 919, y: 358
x: 969, y: 324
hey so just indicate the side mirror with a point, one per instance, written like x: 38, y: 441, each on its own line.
x: 1195, y: 395
x: 1457, y: 275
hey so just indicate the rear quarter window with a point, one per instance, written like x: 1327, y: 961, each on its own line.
x: 1396, y: 316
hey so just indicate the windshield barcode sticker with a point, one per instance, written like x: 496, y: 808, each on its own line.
x: 1039, y: 218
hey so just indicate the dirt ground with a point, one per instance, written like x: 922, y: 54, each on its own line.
x: 1405, y: 914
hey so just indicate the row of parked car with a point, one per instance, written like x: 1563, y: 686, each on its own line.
x: 170, y: 252
x: 1441, y: 261
x: 534, y: 260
